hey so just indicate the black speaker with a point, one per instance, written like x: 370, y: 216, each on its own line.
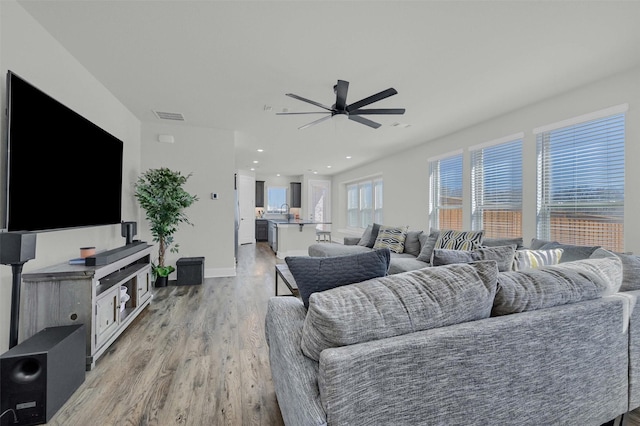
x: 40, y: 374
x: 128, y: 230
x: 17, y: 247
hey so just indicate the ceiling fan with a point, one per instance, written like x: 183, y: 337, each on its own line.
x: 352, y: 111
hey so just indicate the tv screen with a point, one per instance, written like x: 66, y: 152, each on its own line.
x: 62, y: 171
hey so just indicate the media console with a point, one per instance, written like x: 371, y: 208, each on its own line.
x: 66, y: 294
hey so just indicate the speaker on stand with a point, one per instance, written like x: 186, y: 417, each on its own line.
x: 16, y: 248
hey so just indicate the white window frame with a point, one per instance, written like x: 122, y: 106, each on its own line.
x: 498, y: 215
x: 435, y: 179
x: 603, y: 211
x: 359, y: 216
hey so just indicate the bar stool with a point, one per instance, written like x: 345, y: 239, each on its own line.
x: 321, y: 236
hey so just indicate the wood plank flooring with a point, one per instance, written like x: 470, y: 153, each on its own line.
x: 196, y: 356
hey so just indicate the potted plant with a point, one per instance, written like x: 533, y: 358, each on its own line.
x: 161, y: 194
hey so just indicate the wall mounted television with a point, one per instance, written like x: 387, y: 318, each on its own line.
x: 62, y: 171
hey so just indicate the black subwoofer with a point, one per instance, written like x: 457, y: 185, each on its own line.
x: 40, y: 374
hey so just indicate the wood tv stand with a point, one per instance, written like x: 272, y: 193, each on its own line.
x: 66, y: 294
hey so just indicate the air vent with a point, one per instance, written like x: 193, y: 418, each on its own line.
x: 175, y: 116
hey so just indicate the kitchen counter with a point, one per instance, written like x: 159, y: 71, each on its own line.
x: 291, y: 240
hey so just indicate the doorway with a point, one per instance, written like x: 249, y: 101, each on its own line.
x: 319, y: 202
x: 247, y: 208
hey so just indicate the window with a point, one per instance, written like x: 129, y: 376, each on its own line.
x: 445, y: 207
x: 276, y: 198
x: 364, y: 203
x: 496, y: 188
x: 581, y: 180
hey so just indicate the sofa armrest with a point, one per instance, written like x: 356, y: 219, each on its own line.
x: 490, y: 371
x: 294, y: 375
x: 351, y: 241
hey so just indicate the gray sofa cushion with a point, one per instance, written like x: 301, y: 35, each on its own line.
x: 330, y: 250
x: 630, y: 268
x: 405, y: 264
x: 571, y: 252
x: 314, y: 274
x: 495, y: 242
x: 503, y: 255
x: 520, y: 291
x: 398, y: 304
x: 412, y: 243
x: 427, y: 243
x: 366, y: 237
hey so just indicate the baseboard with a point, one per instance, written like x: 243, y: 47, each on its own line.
x: 219, y: 272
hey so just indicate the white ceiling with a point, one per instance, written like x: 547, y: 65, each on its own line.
x: 453, y: 63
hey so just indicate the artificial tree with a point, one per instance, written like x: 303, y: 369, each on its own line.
x: 161, y: 194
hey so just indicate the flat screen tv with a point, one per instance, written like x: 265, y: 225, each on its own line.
x: 62, y: 171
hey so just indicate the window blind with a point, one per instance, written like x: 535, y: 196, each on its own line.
x: 580, y: 182
x: 445, y: 210
x: 496, y: 189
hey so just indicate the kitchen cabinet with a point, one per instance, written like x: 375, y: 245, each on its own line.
x: 262, y: 230
x: 259, y: 193
x: 296, y: 194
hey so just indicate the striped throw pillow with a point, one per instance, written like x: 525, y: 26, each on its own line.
x: 391, y: 237
x: 535, y: 259
x: 459, y: 240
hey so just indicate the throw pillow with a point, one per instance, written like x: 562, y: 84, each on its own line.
x: 503, y: 255
x: 571, y: 252
x: 537, y: 244
x: 495, y: 242
x: 427, y: 243
x: 314, y: 274
x: 398, y: 304
x: 412, y: 243
x: 520, y: 291
x: 366, y: 236
x: 630, y: 268
x: 534, y: 259
x: 375, y: 229
x: 459, y: 240
x: 391, y: 237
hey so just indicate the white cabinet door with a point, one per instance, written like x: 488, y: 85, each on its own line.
x: 107, y: 314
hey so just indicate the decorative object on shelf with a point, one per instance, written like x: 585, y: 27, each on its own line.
x: 87, y: 251
x: 161, y: 194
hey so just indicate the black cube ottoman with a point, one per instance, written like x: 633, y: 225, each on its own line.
x: 190, y: 270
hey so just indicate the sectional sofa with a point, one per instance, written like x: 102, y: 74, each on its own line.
x: 462, y: 344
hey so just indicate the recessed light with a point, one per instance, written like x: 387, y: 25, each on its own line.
x: 252, y: 169
x: 348, y: 157
x: 277, y: 174
x: 260, y: 150
x: 255, y: 161
x: 315, y: 172
x: 328, y: 167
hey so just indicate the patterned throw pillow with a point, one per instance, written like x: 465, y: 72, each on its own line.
x: 459, y: 240
x: 535, y: 259
x: 391, y: 237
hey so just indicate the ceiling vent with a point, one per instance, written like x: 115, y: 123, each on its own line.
x: 175, y: 116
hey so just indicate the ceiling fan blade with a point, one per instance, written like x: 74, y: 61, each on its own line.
x: 341, y: 94
x: 364, y: 121
x: 300, y: 98
x: 371, y: 99
x: 315, y: 122
x: 298, y: 113
x: 396, y: 111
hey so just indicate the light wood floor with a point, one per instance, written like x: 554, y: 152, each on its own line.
x: 196, y: 356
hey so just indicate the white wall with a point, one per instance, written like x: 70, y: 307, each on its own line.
x: 406, y: 191
x: 209, y: 155
x: 28, y: 50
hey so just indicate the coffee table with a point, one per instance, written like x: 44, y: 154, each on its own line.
x: 282, y: 271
